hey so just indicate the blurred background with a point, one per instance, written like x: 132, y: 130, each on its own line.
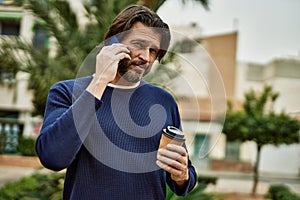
x: 244, y: 53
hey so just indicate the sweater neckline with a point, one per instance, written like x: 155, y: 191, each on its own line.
x: 123, y: 87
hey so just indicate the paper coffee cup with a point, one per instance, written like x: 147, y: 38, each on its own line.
x: 171, y: 135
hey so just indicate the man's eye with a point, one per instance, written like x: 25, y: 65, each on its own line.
x: 153, y: 51
x: 138, y: 44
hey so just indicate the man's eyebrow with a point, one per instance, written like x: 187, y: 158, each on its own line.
x: 139, y: 40
x: 153, y: 46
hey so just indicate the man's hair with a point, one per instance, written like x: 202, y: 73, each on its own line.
x: 137, y: 13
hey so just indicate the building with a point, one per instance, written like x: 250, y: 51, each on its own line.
x: 15, y: 104
x: 284, y: 76
x: 210, y: 76
x: 205, y: 84
x: 197, y: 107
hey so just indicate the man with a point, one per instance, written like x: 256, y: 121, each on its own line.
x: 106, y: 128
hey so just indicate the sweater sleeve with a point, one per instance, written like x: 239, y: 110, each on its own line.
x: 189, y: 185
x: 65, y: 126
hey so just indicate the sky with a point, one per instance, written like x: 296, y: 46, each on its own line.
x: 267, y: 29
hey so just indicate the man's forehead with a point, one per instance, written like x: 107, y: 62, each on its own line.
x: 147, y: 33
x: 140, y: 28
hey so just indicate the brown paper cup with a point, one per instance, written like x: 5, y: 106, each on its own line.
x: 166, y: 140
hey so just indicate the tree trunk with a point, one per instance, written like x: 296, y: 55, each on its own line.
x: 256, y: 170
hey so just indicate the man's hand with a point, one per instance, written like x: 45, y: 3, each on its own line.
x: 106, y: 67
x: 174, y: 159
x: 107, y: 61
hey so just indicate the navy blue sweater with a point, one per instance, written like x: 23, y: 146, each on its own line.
x: 108, y: 146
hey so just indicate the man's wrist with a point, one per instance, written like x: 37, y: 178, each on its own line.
x: 181, y: 183
x: 97, y: 87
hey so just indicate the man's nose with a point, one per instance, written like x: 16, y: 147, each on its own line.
x: 145, y: 55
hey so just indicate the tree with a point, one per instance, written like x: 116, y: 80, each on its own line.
x: 72, y: 42
x: 258, y: 122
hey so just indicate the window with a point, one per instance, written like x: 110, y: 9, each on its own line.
x: 185, y: 46
x: 7, y: 77
x: 10, y: 22
x: 11, y: 2
x: 201, y: 150
x: 41, y: 37
x: 232, y: 150
x: 12, y: 129
x: 10, y: 27
x: 4, y: 114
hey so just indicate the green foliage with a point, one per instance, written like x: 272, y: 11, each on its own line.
x: 162, y: 73
x: 258, y: 122
x: 256, y: 103
x: 281, y: 192
x: 207, y: 180
x: 72, y: 43
x: 49, y: 186
x: 38, y: 186
x: 26, y: 146
x: 72, y: 40
x: 155, y: 4
x: 198, y: 192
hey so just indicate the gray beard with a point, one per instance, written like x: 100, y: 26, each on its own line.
x: 131, y: 77
x: 128, y: 75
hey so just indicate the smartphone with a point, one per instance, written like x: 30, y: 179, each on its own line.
x: 121, y: 64
x: 113, y: 40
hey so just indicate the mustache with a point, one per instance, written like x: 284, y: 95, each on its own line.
x: 140, y: 63
x: 125, y: 63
